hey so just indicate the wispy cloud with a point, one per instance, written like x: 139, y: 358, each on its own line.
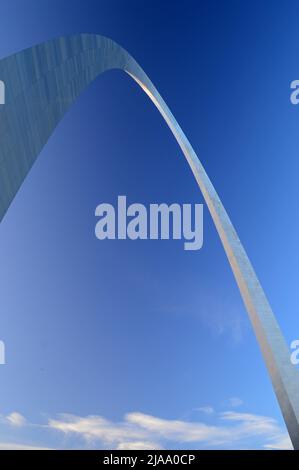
x: 139, y: 429
x: 97, y: 428
x: 17, y: 446
x: 15, y: 419
x: 139, y: 445
x: 282, y: 442
x: 220, y: 318
x: 235, y: 402
x: 230, y: 429
x: 250, y: 424
x: 209, y: 410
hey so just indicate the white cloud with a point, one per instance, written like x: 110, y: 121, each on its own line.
x: 230, y: 429
x: 176, y: 430
x: 16, y: 419
x: 253, y: 425
x: 96, y: 427
x: 235, y: 402
x: 282, y: 442
x: 18, y: 446
x: 139, y: 446
x: 209, y: 410
x: 139, y: 430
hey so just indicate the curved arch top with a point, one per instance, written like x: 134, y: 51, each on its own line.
x: 41, y: 83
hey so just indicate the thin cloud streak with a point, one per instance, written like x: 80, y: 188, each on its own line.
x: 140, y: 428
x: 230, y: 429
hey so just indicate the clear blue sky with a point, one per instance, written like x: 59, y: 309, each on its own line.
x: 123, y: 330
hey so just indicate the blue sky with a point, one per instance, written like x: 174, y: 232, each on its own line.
x: 126, y: 343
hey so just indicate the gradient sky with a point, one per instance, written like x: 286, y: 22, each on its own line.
x: 102, y: 335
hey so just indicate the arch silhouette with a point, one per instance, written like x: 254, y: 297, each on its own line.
x: 42, y: 82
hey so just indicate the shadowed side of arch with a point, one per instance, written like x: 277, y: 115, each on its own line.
x: 41, y: 83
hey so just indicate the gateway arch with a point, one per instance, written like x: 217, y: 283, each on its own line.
x: 41, y: 83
